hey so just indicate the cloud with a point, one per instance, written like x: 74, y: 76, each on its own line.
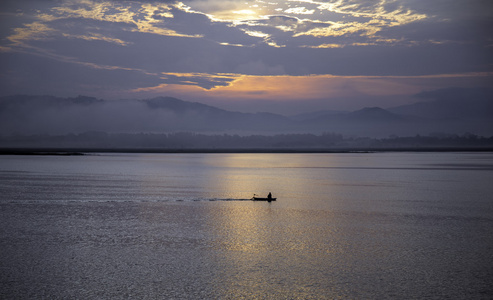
x: 299, y: 11
x: 201, y: 47
x: 29, y: 74
x: 259, y: 68
x: 345, y: 92
x: 206, y: 81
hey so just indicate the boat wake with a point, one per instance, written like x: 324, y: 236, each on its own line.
x: 214, y: 199
x: 120, y: 200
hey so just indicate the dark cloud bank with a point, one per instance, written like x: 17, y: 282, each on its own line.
x: 47, y: 121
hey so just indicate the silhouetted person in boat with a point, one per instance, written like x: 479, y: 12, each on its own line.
x: 269, y: 197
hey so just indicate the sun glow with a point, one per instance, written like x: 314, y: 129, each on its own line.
x: 292, y: 88
x: 244, y: 12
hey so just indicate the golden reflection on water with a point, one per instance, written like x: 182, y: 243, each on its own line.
x: 279, y: 249
x: 239, y: 176
x: 271, y: 248
x: 260, y: 247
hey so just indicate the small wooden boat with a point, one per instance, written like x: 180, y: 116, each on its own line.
x: 263, y: 199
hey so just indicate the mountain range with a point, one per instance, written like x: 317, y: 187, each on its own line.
x: 450, y: 111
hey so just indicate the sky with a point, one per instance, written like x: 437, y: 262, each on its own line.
x: 277, y: 56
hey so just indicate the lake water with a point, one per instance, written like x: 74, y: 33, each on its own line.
x: 180, y: 226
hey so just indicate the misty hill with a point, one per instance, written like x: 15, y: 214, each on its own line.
x: 452, y: 103
x: 180, y: 106
x: 216, y: 119
x: 449, y: 111
x: 53, y: 115
x: 367, y: 114
x: 369, y: 121
x: 373, y: 114
x: 316, y: 114
x: 453, y: 110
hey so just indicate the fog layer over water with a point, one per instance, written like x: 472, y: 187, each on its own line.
x: 382, y: 225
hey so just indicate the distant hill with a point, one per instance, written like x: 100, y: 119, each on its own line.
x: 450, y: 111
x: 451, y: 104
x: 205, y: 117
x: 373, y: 114
x: 179, y: 106
x: 47, y: 114
x: 367, y: 114
x: 316, y: 114
x: 369, y: 121
x: 453, y: 110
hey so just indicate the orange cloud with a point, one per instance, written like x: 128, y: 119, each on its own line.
x: 292, y: 88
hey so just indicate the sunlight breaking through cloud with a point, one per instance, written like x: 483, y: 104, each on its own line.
x: 299, y: 11
x: 345, y: 18
x: 147, y: 18
x: 208, y: 45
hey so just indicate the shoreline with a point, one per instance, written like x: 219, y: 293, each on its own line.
x: 86, y: 151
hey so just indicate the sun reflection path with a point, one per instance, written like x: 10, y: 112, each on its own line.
x: 259, y: 249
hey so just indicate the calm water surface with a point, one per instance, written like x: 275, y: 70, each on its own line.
x: 162, y: 226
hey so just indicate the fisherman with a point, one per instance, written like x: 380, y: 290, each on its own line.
x: 269, y: 197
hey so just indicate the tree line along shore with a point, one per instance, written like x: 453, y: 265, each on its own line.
x: 75, y: 144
